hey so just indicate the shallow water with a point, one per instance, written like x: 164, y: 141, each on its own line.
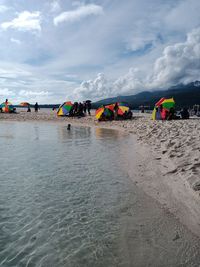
x: 66, y: 200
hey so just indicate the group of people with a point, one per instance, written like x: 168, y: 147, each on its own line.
x: 36, y: 107
x: 6, y: 108
x: 171, y: 113
x: 114, y: 114
x: 81, y: 109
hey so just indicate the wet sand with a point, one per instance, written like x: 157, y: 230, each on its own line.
x: 167, y: 167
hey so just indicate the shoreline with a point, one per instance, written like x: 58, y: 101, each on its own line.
x: 167, y: 167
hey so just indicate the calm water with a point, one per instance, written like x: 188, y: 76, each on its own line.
x: 66, y: 200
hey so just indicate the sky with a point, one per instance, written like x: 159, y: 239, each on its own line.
x: 52, y: 51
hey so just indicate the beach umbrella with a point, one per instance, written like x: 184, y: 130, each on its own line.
x: 65, y: 109
x: 24, y: 104
x: 166, y: 103
x: 122, y: 108
x: 7, y: 107
x: 160, y: 102
x: 106, y: 111
x: 99, y: 112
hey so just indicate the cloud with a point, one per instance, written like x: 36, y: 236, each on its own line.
x: 9, y: 72
x: 79, y: 13
x: 124, y: 43
x: 94, y: 89
x: 77, y: 3
x: 179, y: 63
x: 130, y: 83
x: 3, y: 8
x: 6, y: 92
x: 55, y: 6
x: 30, y: 93
x: 16, y: 41
x: 188, y: 11
x: 26, y: 21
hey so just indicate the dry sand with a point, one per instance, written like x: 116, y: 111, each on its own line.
x: 168, y: 158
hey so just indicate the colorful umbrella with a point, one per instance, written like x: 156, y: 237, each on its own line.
x: 166, y: 105
x: 99, y: 112
x: 122, y: 108
x: 110, y: 107
x: 7, y: 107
x: 65, y: 109
x: 24, y: 104
x: 159, y: 102
x: 106, y: 111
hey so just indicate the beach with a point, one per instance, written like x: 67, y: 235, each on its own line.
x: 167, y: 165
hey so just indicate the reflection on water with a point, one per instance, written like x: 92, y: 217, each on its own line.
x: 63, y: 197
x: 102, y: 133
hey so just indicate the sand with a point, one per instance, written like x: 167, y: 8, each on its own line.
x: 168, y: 158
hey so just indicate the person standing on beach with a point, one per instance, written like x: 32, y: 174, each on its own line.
x: 84, y: 107
x: 6, y: 106
x: 36, y: 107
x: 116, y: 107
x: 29, y: 108
x: 89, y: 106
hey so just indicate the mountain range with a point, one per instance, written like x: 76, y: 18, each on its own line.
x: 184, y: 96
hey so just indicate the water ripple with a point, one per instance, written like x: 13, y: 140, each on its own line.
x: 63, y: 196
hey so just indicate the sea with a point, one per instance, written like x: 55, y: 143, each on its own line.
x: 67, y: 199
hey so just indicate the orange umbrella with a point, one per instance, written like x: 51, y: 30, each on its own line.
x: 24, y: 104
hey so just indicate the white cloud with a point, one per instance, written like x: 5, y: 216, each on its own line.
x: 16, y: 41
x: 9, y: 72
x: 130, y: 83
x: 77, y: 3
x: 26, y: 21
x: 30, y: 93
x: 188, y: 11
x: 6, y: 92
x: 55, y: 6
x: 94, y: 89
x: 129, y: 35
x: 138, y: 43
x: 180, y: 63
x: 3, y: 8
x: 79, y: 13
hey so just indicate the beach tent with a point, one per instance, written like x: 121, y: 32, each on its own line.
x: 7, y: 107
x: 65, y: 108
x: 166, y: 104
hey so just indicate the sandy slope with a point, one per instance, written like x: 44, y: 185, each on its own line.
x: 168, y: 158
